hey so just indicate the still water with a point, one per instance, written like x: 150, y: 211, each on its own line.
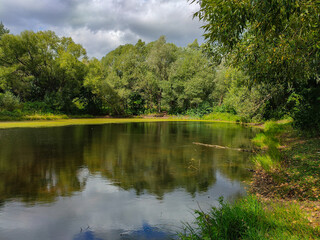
x: 116, y: 181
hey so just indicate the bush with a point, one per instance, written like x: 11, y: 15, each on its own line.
x: 306, y: 110
x: 9, y: 102
x: 307, y: 117
x: 224, y: 109
x: 8, y: 115
x: 248, y: 219
x: 36, y: 107
x: 201, y: 110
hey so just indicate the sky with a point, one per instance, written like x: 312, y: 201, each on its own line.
x: 100, y: 26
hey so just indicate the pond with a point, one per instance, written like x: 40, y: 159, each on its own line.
x: 116, y: 181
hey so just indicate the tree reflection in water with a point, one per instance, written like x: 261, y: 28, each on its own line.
x: 38, y: 165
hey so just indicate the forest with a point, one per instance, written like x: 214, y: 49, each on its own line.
x: 259, y: 65
x: 42, y: 73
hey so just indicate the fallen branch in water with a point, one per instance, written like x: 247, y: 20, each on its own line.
x: 223, y: 147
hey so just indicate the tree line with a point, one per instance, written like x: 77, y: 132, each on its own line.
x: 255, y: 69
x: 41, y: 71
x: 276, y: 44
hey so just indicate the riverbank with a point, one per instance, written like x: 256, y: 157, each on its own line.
x: 297, y: 177
x: 58, y: 122
x: 284, y: 199
x: 285, y: 186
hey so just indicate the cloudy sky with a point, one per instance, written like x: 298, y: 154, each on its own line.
x: 102, y: 25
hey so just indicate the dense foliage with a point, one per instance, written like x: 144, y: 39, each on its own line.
x: 276, y: 44
x: 260, y: 61
x: 154, y: 77
x: 41, y: 72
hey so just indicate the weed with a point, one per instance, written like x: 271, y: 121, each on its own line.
x: 248, y: 218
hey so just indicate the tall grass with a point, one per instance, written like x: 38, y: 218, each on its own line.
x: 18, y: 115
x: 249, y: 219
x: 268, y: 140
x: 266, y: 162
x: 223, y: 116
x: 44, y: 116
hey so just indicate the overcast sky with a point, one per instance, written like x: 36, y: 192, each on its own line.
x: 102, y: 25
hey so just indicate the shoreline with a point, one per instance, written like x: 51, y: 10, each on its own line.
x: 263, y: 184
x: 98, y: 121
x: 296, y: 180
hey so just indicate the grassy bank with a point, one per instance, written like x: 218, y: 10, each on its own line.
x: 284, y: 203
x: 18, y: 119
x: 294, y: 168
x: 249, y: 218
x: 18, y: 115
x: 92, y: 121
x: 285, y: 193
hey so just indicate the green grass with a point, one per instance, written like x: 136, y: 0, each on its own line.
x: 248, y: 219
x: 266, y: 162
x: 300, y: 176
x: 17, y: 115
x: 18, y: 118
x: 269, y: 141
x: 288, y: 169
x: 86, y: 121
x: 44, y: 116
x: 222, y: 116
x: 291, y: 163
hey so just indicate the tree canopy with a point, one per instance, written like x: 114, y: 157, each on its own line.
x: 260, y: 61
x: 42, y: 67
x: 49, y: 73
x: 274, y: 42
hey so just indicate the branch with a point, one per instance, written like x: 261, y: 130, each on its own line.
x: 223, y: 147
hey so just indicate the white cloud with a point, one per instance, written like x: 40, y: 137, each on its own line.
x: 98, y: 43
x: 102, y: 25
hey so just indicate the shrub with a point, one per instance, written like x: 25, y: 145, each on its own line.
x: 248, y: 219
x: 6, y: 115
x: 8, y: 101
x: 224, y: 109
x: 306, y: 110
x: 201, y: 110
x: 35, y: 107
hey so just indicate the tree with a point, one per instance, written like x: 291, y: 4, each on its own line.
x: 274, y: 42
x: 42, y: 67
x: 3, y: 30
x: 126, y: 70
x: 191, y: 80
x: 160, y: 58
x: 100, y: 97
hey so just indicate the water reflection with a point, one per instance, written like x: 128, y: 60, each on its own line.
x: 108, y: 210
x: 114, y: 178
x: 41, y: 164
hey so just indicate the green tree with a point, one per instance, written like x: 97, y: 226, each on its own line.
x: 42, y: 67
x: 274, y: 42
x: 8, y: 101
x: 100, y: 97
x: 126, y: 68
x: 160, y: 58
x: 3, y: 30
x: 191, y: 80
